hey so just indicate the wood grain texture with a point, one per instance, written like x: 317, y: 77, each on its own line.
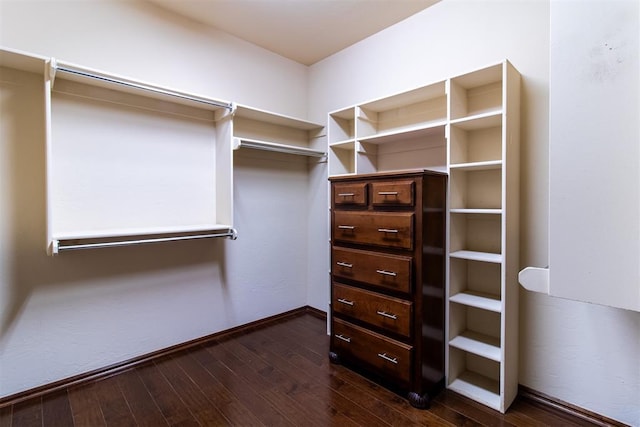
x: 274, y: 374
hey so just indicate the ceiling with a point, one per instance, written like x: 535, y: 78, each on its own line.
x: 305, y: 31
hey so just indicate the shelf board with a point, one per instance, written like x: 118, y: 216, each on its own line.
x: 147, y: 231
x: 346, y: 114
x: 476, y: 211
x: 276, y: 119
x: 344, y: 144
x: 424, y: 93
x: 272, y: 146
x: 477, y: 256
x: 479, y: 344
x: 478, y: 300
x: 476, y: 166
x: 478, y: 387
x: 479, y: 121
x: 423, y: 130
x: 24, y: 61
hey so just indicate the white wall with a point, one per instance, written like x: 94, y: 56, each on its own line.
x: 583, y: 354
x: 85, y: 310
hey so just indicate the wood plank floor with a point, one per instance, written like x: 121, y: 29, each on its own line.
x: 274, y: 375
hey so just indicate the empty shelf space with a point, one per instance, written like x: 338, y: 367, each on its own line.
x: 478, y: 300
x: 435, y: 128
x: 478, y: 387
x: 477, y: 256
x: 478, y: 344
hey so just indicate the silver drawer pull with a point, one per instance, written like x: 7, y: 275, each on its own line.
x: 345, y: 301
x: 342, y: 337
x: 387, y: 230
x: 346, y: 194
x: 344, y: 264
x: 346, y: 227
x: 387, y: 315
x: 387, y: 358
x: 387, y: 193
x: 387, y: 273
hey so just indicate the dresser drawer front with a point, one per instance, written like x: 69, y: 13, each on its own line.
x: 388, y: 357
x: 388, y: 229
x: 388, y: 313
x: 393, y: 193
x: 385, y: 271
x: 350, y: 194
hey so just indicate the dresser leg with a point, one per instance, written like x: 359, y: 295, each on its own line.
x: 334, y: 358
x: 418, y: 401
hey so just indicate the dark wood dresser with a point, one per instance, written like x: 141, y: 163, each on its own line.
x: 388, y: 279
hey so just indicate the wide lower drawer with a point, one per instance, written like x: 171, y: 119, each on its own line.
x: 388, y: 229
x: 386, y: 271
x: 386, y: 356
x: 391, y: 314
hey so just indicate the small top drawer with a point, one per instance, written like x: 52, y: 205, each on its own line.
x: 393, y: 193
x: 389, y: 229
x: 350, y: 194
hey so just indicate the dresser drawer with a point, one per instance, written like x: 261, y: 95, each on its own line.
x: 386, y: 271
x: 391, y: 314
x: 350, y: 194
x: 393, y: 193
x: 388, y: 357
x: 388, y: 229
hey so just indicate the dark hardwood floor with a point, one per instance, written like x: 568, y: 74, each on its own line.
x: 275, y: 375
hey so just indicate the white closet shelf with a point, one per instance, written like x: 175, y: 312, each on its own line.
x: 478, y: 387
x: 478, y: 300
x: 476, y: 211
x: 423, y: 130
x: 347, y: 143
x: 477, y: 256
x: 477, y: 166
x: 479, y: 121
x: 129, y: 237
x: 77, y: 73
x: 273, y: 118
x: 19, y: 60
x: 272, y: 146
x: 478, y: 344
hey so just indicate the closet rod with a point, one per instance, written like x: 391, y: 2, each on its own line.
x: 56, y: 67
x: 232, y: 233
x: 272, y: 146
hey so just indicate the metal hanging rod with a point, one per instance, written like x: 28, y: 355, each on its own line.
x: 232, y: 233
x: 272, y: 146
x: 56, y: 67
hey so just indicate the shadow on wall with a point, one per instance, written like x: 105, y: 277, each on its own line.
x: 23, y: 229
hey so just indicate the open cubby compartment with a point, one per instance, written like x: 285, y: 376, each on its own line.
x: 257, y: 125
x: 475, y: 377
x: 121, y: 164
x: 416, y: 109
x: 477, y: 140
x: 476, y: 93
x: 342, y: 158
x: 342, y: 125
x: 476, y: 284
x: 476, y: 331
x: 476, y: 188
x: 476, y: 233
x: 424, y: 148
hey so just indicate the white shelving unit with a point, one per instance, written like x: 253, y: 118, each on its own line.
x: 467, y: 125
x: 483, y: 159
x: 130, y: 162
x: 403, y: 131
x: 264, y: 130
